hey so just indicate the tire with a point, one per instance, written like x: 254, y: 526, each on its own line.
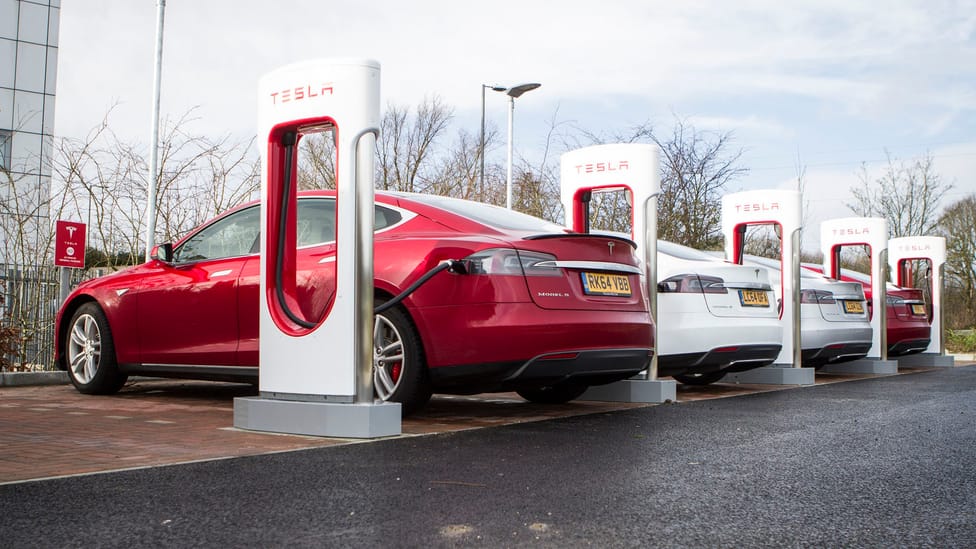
x: 706, y: 378
x: 89, y: 352
x: 399, y: 369
x: 560, y: 393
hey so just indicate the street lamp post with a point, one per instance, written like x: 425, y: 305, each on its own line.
x: 481, y: 151
x: 512, y: 93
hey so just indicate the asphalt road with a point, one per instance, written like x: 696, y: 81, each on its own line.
x: 882, y: 462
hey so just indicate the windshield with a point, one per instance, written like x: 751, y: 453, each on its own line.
x: 493, y: 216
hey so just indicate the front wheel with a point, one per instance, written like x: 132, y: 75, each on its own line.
x: 399, y: 370
x: 90, y: 353
x: 560, y: 393
x: 706, y: 378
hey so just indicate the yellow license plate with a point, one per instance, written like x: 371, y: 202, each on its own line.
x: 853, y: 307
x: 918, y: 309
x: 753, y: 298
x: 606, y: 284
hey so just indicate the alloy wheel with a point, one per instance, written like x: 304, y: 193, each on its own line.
x: 84, y: 348
x: 387, y: 357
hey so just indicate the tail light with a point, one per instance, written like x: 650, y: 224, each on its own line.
x: 692, y: 284
x: 507, y: 261
x: 817, y: 296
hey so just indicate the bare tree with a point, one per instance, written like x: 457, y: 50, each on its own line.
x: 317, y: 161
x: 104, y: 180
x: 907, y: 195
x: 958, y: 225
x: 28, y: 281
x: 406, y: 146
x: 696, y: 168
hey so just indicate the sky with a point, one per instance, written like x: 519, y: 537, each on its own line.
x: 823, y: 86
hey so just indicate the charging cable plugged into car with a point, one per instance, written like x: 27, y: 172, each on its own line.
x: 289, y: 140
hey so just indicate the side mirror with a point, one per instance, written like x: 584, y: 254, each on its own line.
x: 162, y: 252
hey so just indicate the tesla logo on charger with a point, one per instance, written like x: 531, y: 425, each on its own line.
x: 599, y: 167
x: 299, y: 93
x: 914, y: 248
x: 757, y: 207
x: 851, y: 231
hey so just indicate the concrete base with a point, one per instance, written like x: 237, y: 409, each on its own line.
x: 776, y: 374
x: 22, y: 379
x: 323, y: 419
x: 927, y: 360
x: 634, y: 390
x: 863, y: 366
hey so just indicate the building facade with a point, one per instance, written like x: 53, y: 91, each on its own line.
x: 28, y: 71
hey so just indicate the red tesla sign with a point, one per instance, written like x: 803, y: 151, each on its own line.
x: 69, y: 244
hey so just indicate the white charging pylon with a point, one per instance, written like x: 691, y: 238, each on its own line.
x: 316, y: 373
x: 836, y: 234
x: 633, y: 168
x: 902, y: 252
x: 782, y: 209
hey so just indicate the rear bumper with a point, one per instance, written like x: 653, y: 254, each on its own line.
x: 908, y: 347
x: 518, y: 333
x: 686, y: 332
x: 734, y: 358
x: 588, y: 367
x: 907, y: 337
x: 835, y: 353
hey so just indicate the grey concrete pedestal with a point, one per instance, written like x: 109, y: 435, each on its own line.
x: 927, y: 360
x: 655, y: 391
x: 324, y: 419
x: 776, y: 374
x: 863, y: 366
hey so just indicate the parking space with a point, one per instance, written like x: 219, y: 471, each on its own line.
x: 49, y: 431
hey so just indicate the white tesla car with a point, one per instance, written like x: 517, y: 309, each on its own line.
x: 714, y: 317
x: 834, y: 322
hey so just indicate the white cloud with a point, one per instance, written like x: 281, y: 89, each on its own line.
x: 851, y: 53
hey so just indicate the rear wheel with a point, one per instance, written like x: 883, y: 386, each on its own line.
x: 90, y: 352
x: 553, y: 394
x: 399, y: 369
x: 706, y: 378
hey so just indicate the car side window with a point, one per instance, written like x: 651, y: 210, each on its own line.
x: 232, y: 236
x: 385, y: 217
x: 316, y: 220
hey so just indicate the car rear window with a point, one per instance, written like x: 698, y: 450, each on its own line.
x: 488, y: 214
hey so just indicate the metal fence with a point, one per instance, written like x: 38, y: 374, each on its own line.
x: 29, y: 301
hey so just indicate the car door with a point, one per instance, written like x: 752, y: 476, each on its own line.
x: 315, y: 274
x: 188, y: 311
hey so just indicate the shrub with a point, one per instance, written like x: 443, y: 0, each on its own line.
x: 9, y: 338
x: 961, y: 341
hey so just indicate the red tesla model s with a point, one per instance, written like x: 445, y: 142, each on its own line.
x: 528, y: 306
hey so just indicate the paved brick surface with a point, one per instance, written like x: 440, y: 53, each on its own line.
x: 48, y: 431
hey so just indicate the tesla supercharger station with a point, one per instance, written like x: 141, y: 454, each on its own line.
x: 902, y: 252
x: 316, y: 374
x: 835, y: 234
x: 633, y: 168
x: 779, y: 208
